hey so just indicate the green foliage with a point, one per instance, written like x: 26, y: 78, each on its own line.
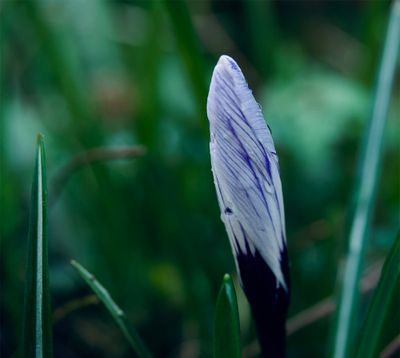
x: 227, y: 327
x: 386, y: 296
x: 190, y: 52
x: 37, y: 335
x: 365, y: 194
x: 137, y: 74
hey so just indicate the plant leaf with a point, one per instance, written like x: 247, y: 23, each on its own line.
x: 37, y: 336
x: 365, y: 194
x: 387, y: 291
x: 189, y: 49
x: 227, y: 326
x: 118, y: 315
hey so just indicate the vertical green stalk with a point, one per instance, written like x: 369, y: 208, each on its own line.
x: 190, y: 52
x: 227, y: 326
x: 150, y: 101
x: 366, y: 183
x: 263, y: 32
x: 37, y: 340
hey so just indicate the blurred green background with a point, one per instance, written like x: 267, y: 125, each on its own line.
x: 94, y: 73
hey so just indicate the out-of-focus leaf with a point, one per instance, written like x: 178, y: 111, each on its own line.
x: 388, y: 290
x: 118, y: 315
x: 189, y: 49
x: 37, y: 339
x: 263, y: 33
x: 227, y: 326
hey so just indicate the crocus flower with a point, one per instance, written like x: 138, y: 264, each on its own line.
x: 246, y: 176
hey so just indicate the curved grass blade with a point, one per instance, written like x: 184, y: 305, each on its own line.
x: 118, y: 315
x: 366, y: 183
x: 227, y: 326
x: 37, y: 336
x: 388, y: 291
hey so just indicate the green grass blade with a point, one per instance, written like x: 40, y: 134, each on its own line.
x: 37, y: 336
x: 189, y: 48
x: 227, y: 326
x: 118, y: 315
x: 387, y: 291
x: 369, y: 167
x: 262, y: 34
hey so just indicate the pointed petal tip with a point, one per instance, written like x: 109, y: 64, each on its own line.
x: 228, y: 62
x: 229, y: 69
x: 227, y: 81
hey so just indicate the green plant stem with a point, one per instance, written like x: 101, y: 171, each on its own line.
x: 117, y: 314
x: 366, y: 183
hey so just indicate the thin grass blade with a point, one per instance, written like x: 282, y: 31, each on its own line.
x: 189, y: 48
x: 37, y: 336
x: 387, y: 291
x: 366, y: 183
x: 118, y: 315
x: 227, y: 326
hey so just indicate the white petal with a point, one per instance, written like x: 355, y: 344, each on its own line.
x: 245, y: 168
